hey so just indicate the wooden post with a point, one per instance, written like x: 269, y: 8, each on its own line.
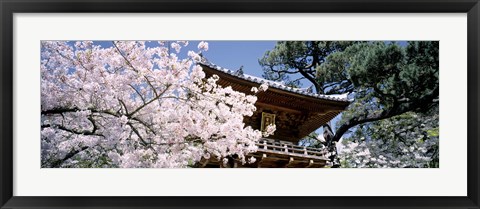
x: 259, y: 163
x: 305, y: 151
x: 221, y: 163
x: 265, y: 144
x: 286, y: 147
x: 205, y: 163
x: 310, y: 164
x: 289, y: 162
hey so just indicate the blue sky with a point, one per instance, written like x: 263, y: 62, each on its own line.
x: 227, y: 54
x: 233, y: 54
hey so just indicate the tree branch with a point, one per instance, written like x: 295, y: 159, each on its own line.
x: 151, y: 86
x: 128, y: 61
x: 124, y: 106
x: 311, y: 79
x: 69, y: 155
x: 282, y: 71
x: 75, y: 109
x: 141, y: 97
x: 63, y: 128
x: 147, y: 103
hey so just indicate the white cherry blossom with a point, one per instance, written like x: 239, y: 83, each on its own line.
x: 129, y: 105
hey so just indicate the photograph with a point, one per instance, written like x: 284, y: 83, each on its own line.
x: 188, y: 104
x: 239, y: 104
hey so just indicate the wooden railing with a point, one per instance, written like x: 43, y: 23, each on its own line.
x: 289, y: 149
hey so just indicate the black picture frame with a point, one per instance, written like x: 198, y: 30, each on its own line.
x: 9, y: 7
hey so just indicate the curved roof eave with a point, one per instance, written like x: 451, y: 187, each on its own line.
x: 277, y: 85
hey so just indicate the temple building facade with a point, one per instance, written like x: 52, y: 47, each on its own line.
x: 295, y: 112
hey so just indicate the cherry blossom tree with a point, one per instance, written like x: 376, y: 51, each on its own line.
x: 129, y: 105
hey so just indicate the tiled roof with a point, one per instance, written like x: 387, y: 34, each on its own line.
x: 277, y: 85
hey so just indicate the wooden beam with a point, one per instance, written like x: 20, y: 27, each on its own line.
x: 284, y: 155
x: 259, y: 164
x: 276, y: 107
